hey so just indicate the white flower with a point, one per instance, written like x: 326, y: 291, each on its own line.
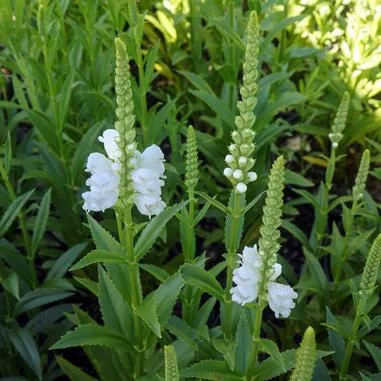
x: 151, y: 158
x: 109, y: 140
x: 97, y: 162
x: 252, y: 176
x: 147, y: 182
x: 241, y: 187
x: 246, y: 277
x: 103, y: 192
x: 147, y: 177
x: 228, y: 172
x: 149, y: 205
x: 280, y: 298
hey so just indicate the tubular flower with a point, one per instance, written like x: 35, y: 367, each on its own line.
x: 281, y: 299
x: 103, y: 183
x: 246, y: 278
x: 147, y: 177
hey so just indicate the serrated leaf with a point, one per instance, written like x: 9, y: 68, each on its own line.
x: 336, y: 342
x: 157, y: 272
x: 211, y: 370
x: 166, y: 296
x: 116, y: 313
x: 103, y: 239
x: 198, y: 277
x: 153, y: 229
x: 93, y: 334
x: 269, y: 347
x: 12, y: 211
x: 375, y: 352
x: 147, y: 312
x: 99, y: 256
x: 41, y: 221
x: 269, y: 368
x: 72, y: 372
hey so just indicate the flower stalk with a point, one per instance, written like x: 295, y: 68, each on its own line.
x: 367, y: 287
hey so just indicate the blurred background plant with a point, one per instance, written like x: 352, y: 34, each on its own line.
x: 56, y: 96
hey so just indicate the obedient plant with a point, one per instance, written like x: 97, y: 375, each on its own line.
x: 146, y: 334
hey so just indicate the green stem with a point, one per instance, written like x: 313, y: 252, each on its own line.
x: 323, y: 215
x: 231, y: 264
x: 256, y: 339
x: 135, y: 285
x: 352, y: 340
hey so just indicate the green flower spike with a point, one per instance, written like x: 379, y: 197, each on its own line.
x: 339, y: 123
x: 240, y: 160
x: 125, y: 122
x: 269, y: 232
x: 362, y: 175
x: 305, y: 357
x: 191, y: 169
x: 369, y: 275
x: 170, y: 359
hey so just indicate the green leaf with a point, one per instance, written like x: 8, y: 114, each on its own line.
x: 375, y: 352
x: 170, y: 361
x: 93, y: 334
x: 45, y: 128
x: 336, y: 342
x: 270, y: 368
x: 295, y: 178
x: 243, y: 344
x: 40, y: 297
x: 317, y: 273
x: 166, y: 296
x: 198, y: 277
x: 64, y: 261
x: 214, y: 202
x: 153, y: 229
x: 297, y: 233
x: 103, y: 239
x: 269, y: 347
x: 12, y: 211
x: 73, y: 372
x: 10, y: 281
x: 116, y: 313
x: 211, y: 370
x: 92, y: 286
x: 41, y: 221
x: 83, y: 148
x: 24, y: 344
x: 147, y: 311
x: 155, y: 271
x: 99, y: 256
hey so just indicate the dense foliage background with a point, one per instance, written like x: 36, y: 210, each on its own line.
x: 57, y: 95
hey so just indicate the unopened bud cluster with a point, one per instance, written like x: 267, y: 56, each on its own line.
x: 271, y: 220
x: 339, y: 123
x: 240, y: 161
x: 191, y: 167
x: 362, y: 176
x: 125, y: 122
x: 305, y: 357
x: 369, y: 276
